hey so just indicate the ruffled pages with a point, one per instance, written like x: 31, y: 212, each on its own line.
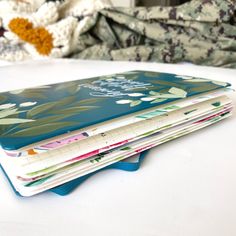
x: 53, y: 134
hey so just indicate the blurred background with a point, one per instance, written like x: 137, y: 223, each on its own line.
x: 148, y: 3
x: 159, y: 2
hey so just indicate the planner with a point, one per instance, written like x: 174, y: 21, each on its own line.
x: 53, y: 134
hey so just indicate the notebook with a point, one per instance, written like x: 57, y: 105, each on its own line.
x: 54, y: 134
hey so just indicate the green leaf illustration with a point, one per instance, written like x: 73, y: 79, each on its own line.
x: 42, y: 129
x: 71, y: 87
x: 179, y: 92
x: 197, y: 80
x: 9, y: 121
x: 172, y: 107
x: 153, y: 93
x: 131, y: 76
x: 38, y: 182
x: 152, y: 74
x: 40, y: 109
x: 62, y: 86
x: 225, y: 114
x: 220, y: 83
x: 137, y: 89
x: 88, y: 101
x: 96, y: 160
x: 147, y: 134
x: 189, y: 112
x: 65, y: 101
x: 204, y: 87
x: 42, y: 172
x: 74, y: 110
x: 164, y: 83
x: 45, y: 120
x: 216, y: 104
x: 8, y: 112
x: 158, y: 100
x: 135, y: 103
x: 3, y: 98
x: 58, y: 105
x: 33, y: 93
x: 125, y: 148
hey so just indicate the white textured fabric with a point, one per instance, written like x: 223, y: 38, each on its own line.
x: 56, y: 16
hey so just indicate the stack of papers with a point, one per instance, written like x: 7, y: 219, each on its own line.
x: 50, y: 135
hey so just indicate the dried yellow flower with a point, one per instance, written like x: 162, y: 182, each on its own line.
x: 39, y: 37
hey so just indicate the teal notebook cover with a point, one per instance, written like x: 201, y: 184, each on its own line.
x: 35, y: 114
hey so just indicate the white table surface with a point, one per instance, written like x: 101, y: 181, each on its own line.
x: 184, y: 188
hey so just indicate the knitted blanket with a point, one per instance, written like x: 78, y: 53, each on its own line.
x: 200, y: 31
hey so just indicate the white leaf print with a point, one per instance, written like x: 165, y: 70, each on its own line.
x: 6, y: 106
x: 184, y: 77
x: 136, y: 94
x: 11, y: 121
x: 17, y: 91
x: 158, y: 100
x: 135, y: 103
x: 27, y: 104
x: 219, y: 83
x: 120, y: 77
x: 110, y: 80
x: 154, y: 93
x: 123, y: 101
x: 179, y: 92
x: 148, y: 99
x: 7, y: 112
x: 198, y: 80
